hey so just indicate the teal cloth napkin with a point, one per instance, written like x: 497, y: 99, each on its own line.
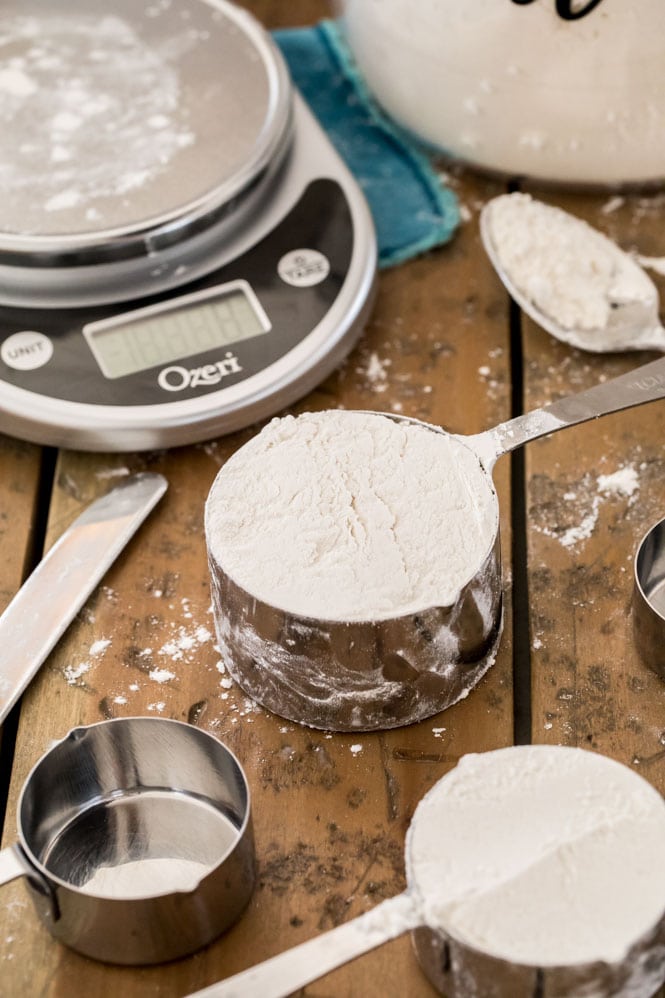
x: 413, y: 211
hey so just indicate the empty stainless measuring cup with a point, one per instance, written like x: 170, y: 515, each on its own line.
x: 135, y: 839
x: 649, y: 598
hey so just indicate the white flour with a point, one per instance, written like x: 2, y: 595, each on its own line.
x: 145, y: 877
x: 578, y: 519
x: 541, y: 855
x: 375, y: 372
x: 351, y: 516
x: 97, y: 110
x: 623, y: 482
x: 573, y: 274
x: 73, y: 673
x: 161, y: 675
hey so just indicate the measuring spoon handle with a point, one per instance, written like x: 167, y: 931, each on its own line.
x: 299, y: 966
x: 643, y: 384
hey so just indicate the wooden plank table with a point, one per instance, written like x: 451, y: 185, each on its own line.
x: 331, y: 811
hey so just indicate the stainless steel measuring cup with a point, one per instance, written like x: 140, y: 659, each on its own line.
x: 135, y: 839
x: 374, y: 674
x: 649, y: 598
x: 459, y: 968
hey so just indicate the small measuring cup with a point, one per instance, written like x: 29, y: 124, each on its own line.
x: 454, y: 966
x: 649, y: 598
x: 135, y: 839
x: 365, y: 675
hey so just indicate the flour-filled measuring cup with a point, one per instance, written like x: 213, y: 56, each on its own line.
x: 297, y: 562
x: 135, y: 839
x: 532, y: 871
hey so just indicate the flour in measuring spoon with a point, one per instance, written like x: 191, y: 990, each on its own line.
x: 573, y: 274
x: 541, y: 855
x: 351, y: 516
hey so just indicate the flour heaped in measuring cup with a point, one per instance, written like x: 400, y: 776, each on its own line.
x: 329, y: 664
x: 351, y: 516
x: 354, y: 566
x: 531, y: 870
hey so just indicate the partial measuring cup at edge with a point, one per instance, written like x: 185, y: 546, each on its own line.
x: 483, y: 847
x: 571, y: 279
x: 648, y: 604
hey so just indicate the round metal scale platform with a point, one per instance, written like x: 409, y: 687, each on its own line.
x: 182, y: 251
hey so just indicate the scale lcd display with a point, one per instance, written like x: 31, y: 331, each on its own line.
x: 165, y: 333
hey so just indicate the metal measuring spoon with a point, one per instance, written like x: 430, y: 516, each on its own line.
x: 632, y: 319
x: 449, y: 869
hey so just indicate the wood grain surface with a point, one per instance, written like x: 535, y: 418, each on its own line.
x: 331, y: 811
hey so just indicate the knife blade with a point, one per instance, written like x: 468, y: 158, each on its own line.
x: 42, y: 609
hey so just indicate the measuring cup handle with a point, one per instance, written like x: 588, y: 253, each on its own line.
x: 13, y: 864
x: 642, y: 384
x: 284, y: 974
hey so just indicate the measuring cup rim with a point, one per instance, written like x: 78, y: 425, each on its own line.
x: 638, y: 575
x: 75, y: 734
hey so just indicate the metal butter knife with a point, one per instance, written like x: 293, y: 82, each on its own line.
x: 53, y: 594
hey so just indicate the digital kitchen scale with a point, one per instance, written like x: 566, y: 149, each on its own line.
x: 182, y: 252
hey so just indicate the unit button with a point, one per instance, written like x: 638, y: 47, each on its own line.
x: 26, y: 350
x: 302, y: 268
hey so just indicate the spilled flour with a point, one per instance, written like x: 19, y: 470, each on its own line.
x: 184, y: 641
x: 161, y: 675
x: 74, y: 673
x: 586, y: 502
x: 180, y: 645
x: 376, y: 372
x: 622, y: 482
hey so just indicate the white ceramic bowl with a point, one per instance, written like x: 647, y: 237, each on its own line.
x: 561, y: 90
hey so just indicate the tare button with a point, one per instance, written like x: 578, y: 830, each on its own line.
x: 26, y: 350
x: 302, y: 268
